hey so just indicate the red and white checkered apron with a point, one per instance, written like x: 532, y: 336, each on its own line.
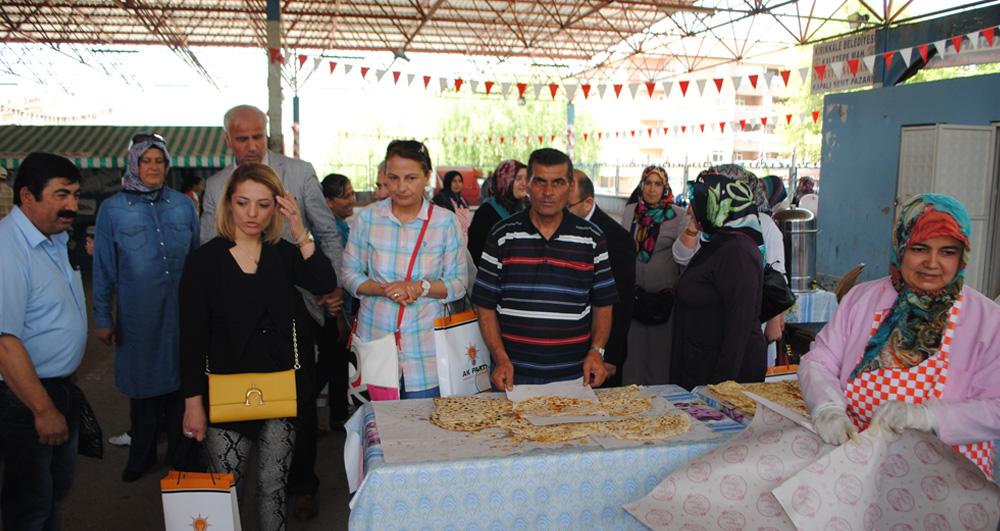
x: 914, y: 385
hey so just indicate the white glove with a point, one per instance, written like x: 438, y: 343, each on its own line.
x: 893, y: 417
x: 832, y: 424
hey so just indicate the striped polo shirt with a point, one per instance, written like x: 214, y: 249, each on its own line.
x: 542, y: 291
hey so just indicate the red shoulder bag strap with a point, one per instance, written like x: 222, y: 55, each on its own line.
x: 409, y: 273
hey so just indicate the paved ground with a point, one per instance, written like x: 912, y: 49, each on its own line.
x: 101, y: 501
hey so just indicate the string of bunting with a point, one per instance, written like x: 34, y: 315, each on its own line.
x: 22, y: 114
x: 984, y: 38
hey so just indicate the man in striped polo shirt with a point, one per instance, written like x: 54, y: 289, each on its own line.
x: 544, y: 288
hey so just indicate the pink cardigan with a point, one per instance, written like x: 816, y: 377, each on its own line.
x: 969, y: 409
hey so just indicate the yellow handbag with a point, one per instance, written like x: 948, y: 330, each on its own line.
x: 253, y: 395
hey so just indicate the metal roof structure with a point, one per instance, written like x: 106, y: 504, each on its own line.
x: 667, y: 37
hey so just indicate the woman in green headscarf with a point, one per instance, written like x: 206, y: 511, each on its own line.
x: 717, y: 333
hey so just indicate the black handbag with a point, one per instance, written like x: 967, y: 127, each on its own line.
x: 777, y: 296
x: 652, y: 308
x: 90, y: 441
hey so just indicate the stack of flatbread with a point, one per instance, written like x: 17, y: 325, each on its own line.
x: 784, y: 392
x: 470, y: 413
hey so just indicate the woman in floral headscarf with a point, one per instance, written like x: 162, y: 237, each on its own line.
x: 654, y: 222
x: 917, y: 349
x: 507, y: 193
x: 717, y: 333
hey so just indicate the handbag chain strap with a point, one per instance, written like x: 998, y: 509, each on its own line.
x: 295, y: 349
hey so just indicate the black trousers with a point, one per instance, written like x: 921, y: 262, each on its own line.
x: 150, y: 416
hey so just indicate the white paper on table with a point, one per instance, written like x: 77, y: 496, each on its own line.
x: 784, y: 411
x: 569, y: 389
x: 354, y: 462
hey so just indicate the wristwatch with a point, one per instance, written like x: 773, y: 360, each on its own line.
x: 598, y: 350
x: 425, y: 287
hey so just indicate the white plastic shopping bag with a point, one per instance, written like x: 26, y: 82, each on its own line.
x: 193, y: 500
x: 463, y: 361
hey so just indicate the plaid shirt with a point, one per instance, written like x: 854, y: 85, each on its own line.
x: 379, y: 249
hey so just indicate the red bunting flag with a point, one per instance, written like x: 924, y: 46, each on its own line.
x: 853, y: 65
x: 618, y: 89
x: 586, y: 90
x: 815, y: 116
x: 489, y: 87
x: 490, y: 139
x: 763, y: 120
x: 666, y: 130
x: 364, y: 71
x: 650, y: 87
x: 702, y: 127
x: 743, y: 124
x: 633, y: 133
x: 956, y: 43
x: 540, y: 139
x: 753, y: 80
x: 275, y: 55
x: 617, y: 133
x: 552, y: 138
x: 684, y: 129
x: 600, y: 135
x: 395, y: 77
x: 585, y: 135
x: 888, y: 58
x: 458, y: 84
x: 553, y: 88
x: 521, y: 87
x: 718, y: 84
x: 989, y: 33
x: 820, y: 71
x: 302, y: 59
x: 333, y: 66
x: 427, y: 80
x: 649, y: 132
x: 684, y: 87
x: 788, y: 119
x: 784, y: 75
x: 501, y: 139
x: 722, y: 127
x: 923, y: 49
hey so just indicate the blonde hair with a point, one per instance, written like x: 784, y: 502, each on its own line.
x: 260, y: 174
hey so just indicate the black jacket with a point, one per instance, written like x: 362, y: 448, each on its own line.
x: 621, y: 252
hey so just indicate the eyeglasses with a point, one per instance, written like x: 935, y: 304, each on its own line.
x: 146, y: 137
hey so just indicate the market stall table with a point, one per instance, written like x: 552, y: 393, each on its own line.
x: 574, y: 484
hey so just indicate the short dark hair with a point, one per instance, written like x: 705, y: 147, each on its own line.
x: 333, y: 185
x: 37, y: 169
x: 584, y: 187
x: 189, y: 182
x: 549, y: 157
x: 412, y: 150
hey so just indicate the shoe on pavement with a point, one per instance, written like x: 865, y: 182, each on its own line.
x: 121, y: 440
x: 305, y: 507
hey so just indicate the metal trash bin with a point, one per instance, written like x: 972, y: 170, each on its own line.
x: 798, y: 229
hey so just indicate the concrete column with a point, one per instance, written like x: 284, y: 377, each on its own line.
x: 570, y: 122
x: 276, y: 141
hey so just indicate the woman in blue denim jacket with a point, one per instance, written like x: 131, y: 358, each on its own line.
x: 144, y: 234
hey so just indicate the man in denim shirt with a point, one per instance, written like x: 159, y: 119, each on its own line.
x: 144, y: 233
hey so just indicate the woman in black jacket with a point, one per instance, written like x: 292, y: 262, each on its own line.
x: 240, y: 313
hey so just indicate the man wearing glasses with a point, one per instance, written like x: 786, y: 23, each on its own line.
x: 545, y: 288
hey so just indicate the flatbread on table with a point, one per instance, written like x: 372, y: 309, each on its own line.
x: 623, y: 401
x: 557, y: 406
x: 520, y: 428
x: 648, y: 428
x: 469, y: 413
x: 784, y: 392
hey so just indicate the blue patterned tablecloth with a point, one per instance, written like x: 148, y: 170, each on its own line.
x: 815, y: 306
x: 562, y: 488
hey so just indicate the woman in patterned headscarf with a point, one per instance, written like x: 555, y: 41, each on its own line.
x: 508, y: 191
x: 654, y: 222
x: 717, y: 333
x: 917, y: 349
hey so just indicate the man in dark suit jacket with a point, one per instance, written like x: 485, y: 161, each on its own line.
x: 622, y: 256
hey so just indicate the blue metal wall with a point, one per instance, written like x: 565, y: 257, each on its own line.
x: 861, y: 133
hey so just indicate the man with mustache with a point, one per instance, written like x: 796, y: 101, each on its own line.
x: 43, y: 333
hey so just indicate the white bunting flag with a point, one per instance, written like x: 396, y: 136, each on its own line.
x: 348, y: 68
x: 570, y: 89
x: 505, y: 88
x: 804, y: 74
x: 942, y: 47
x: 409, y: 79
x: 537, y: 89
x: 316, y: 62
x: 973, y: 40
x: 701, y: 85
x: 667, y: 85
x: 869, y: 61
x: 768, y: 77
x: 633, y: 88
x: 908, y: 55
x: 379, y: 74
x: 737, y: 81
x: 443, y: 84
x: 835, y: 69
x: 473, y: 84
x: 600, y: 90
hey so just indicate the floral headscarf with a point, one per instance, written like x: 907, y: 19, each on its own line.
x: 719, y: 201
x: 648, y: 217
x: 774, y: 190
x: 916, y: 323
x: 131, y: 181
x: 748, y: 178
x: 501, y: 196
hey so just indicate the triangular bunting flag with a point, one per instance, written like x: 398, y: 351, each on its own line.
x: 316, y: 62
x: 443, y: 84
x: 700, y: 84
x: 785, y: 74
x: 649, y: 132
x: 702, y: 127
x: 348, y: 68
x: 852, y: 65
x: 633, y: 133
x: 753, y: 80
x: 395, y: 76
x: 302, y: 59
x: 989, y: 33
x: 504, y: 88
x: 633, y: 88
x: 650, y: 88
x: 501, y: 139
x: 722, y: 127
x: 737, y: 81
x: 333, y: 66
x: 585, y: 135
x: 379, y: 74
x: 973, y: 40
x: 521, y: 87
x: 274, y: 55
x: 804, y: 73
x: 667, y: 85
x: 922, y: 50
x: 536, y: 89
x: 570, y: 89
x: 489, y: 87
x: 907, y: 56
x: 788, y: 119
x: 684, y: 87
x: 553, y: 88
x: 743, y: 124
x: 869, y: 61
x: 458, y: 84
x: 409, y: 79
x: 600, y: 136
x: 942, y: 48
x: 888, y: 58
x: 763, y: 120
x: 364, y: 71
x: 427, y: 81
x: 718, y: 83
x: 768, y: 78
x: 820, y: 72
x: 474, y: 85
x: 956, y: 43
x: 586, y: 90
x: 815, y: 116
x: 666, y: 130
x: 836, y: 69
x: 618, y: 89
x: 684, y: 129
x: 286, y: 58
x: 552, y: 138
x: 601, y: 88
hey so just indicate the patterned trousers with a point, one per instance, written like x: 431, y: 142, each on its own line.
x: 229, y: 451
